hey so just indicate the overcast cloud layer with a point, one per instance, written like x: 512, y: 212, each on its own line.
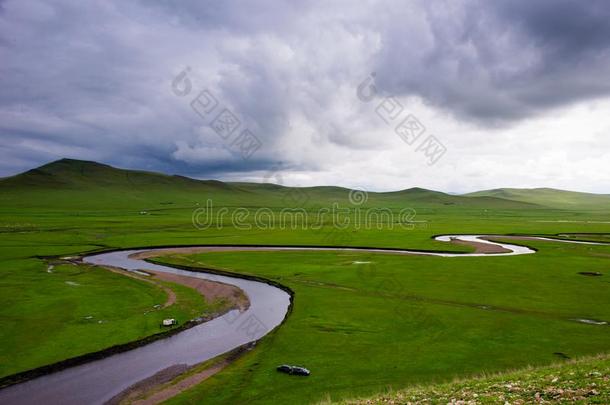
x: 517, y: 92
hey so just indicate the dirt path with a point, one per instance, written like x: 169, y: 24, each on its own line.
x: 480, y: 247
x: 211, y: 290
x: 182, y: 385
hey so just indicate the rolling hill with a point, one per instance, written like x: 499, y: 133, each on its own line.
x: 549, y: 197
x: 70, y: 173
x: 78, y: 184
x: 69, y: 183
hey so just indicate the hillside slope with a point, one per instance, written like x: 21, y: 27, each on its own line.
x: 70, y: 173
x: 69, y: 183
x: 548, y: 197
x: 77, y: 184
x: 583, y: 381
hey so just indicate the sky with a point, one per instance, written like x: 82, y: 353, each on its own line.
x: 453, y: 95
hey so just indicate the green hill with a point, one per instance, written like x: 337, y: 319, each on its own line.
x: 422, y: 195
x: 549, y: 197
x: 70, y: 173
x: 69, y: 183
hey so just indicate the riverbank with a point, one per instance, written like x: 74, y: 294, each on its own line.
x: 220, y: 298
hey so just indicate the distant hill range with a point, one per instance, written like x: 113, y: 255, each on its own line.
x: 549, y: 197
x: 69, y: 183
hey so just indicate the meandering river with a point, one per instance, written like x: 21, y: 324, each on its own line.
x: 98, y: 381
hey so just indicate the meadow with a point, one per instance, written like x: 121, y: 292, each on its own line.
x: 363, y: 323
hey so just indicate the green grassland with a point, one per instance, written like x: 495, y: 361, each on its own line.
x: 397, y: 320
x: 360, y: 328
x: 53, y: 313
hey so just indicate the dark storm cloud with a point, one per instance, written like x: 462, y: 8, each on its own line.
x: 93, y: 80
x: 97, y: 80
x: 244, y: 16
x: 565, y: 29
x: 498, y: 61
